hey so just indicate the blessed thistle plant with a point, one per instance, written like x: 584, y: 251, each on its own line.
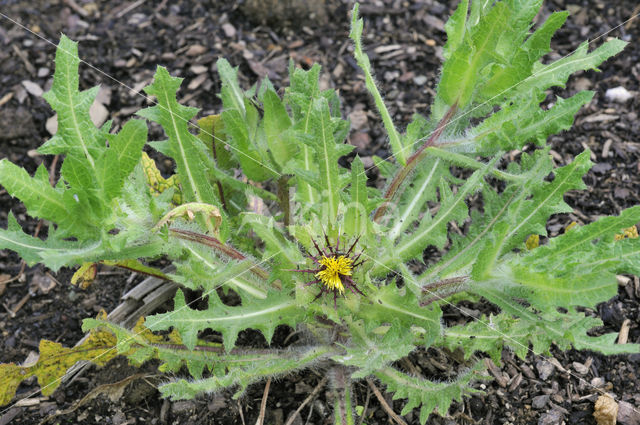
x: 305, y: 242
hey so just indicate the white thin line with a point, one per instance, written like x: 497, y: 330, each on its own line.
x: 147, y: 98
x: 504, y: 91
x: 130, y: 338
x: 496, y: 330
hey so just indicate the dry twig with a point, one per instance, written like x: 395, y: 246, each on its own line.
x: 384, y: 404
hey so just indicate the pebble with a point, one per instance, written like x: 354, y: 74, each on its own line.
x: 196, y: 50
x: 419, y: 80
x: 545, y: 369
x: 199, y: 69
x: 43, y: 72
x: 361, y: 140
x: 229, y: 30
x: 540, y: 401
x: 580, y: 368
x: 358, y: 119
x: 183, y: 406
x: 32, y: 88
x: 618, y: 94
x: 552, y: 417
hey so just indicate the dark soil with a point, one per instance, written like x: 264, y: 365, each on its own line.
x: 126, y: 39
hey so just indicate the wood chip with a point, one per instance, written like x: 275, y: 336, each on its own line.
x: 601, y: 118
x: 622, y: 280
x: 623, y: 335
x: 606, y: 148
x: 501, y: 378
x: 7, y: 97
x: 196, y: 50
x: 197, y: 82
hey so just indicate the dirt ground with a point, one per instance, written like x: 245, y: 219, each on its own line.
x: 404, y: 38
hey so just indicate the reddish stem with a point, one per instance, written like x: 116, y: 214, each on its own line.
x: 219, y: 246
x: 413, y: 161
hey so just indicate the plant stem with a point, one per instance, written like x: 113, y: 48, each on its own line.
x: 214, y: 243
x: 444, y: 288
x: 283, y: 198
x: 342, y: 407
x: 365, y: 65
x: 392, y: 190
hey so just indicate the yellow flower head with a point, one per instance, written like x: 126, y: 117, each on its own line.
x: 333, y: 268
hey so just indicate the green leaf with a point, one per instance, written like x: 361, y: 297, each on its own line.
x: 529, y: 207
x: 556, y: 73
x: 232, y: 95
x: 300, y: 97
x: 521, y: 123
x: 433, y: 230
x: 590, y: 248
x: 252, y: 159
x: 326, y: 156
x: 369, y: 352
x: 430, y: 395
x: 263, y: 315
x: 242, y: 376
x: 183, y: 146
x: 119, y: 160
x: 40, y: 199
x: 356, y: 216
x: 460, y: 73
x: 389, y: 305
x: 203, y: 269
x: 30, y: 249
x: 276, y: 126
x: 420, y: 189
x: 455, y: 28
x: 76, y: 133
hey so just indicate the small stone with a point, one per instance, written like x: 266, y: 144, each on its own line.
x: 41, y: 283
x: 43, y: 72
x: 52, y: 124
x: 358, y: 119
x: 361, y: 140
x: 540, y: 401
x: 119, y: 418
x: 229, y: 30
x: 199, y: 69
x: 553, y: 417
x: 419, y: 80
x: 216, y: 404
x: 581, y: 84
x: 628, y: 414
x: 545, y: 369
x: 32, y: 88
x: 183, y: 406
x: 98, y: 113
x: 338, y: 70
x: 618, y: 94
x: 580, y: 368
x: 196, y: 50
x: 368, y: 163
